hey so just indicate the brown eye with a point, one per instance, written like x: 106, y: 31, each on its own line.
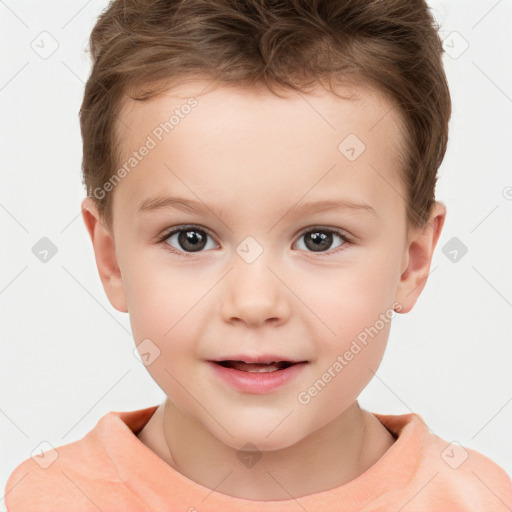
x: 321, y: 240
x: 187, y: 240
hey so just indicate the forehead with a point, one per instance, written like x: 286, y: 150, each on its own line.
x: 238, y: 137
x: 238, y: 104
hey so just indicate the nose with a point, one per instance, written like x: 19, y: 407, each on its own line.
x: 254, y: 294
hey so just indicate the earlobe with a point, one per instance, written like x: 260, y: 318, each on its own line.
x: 419, y: 258
x: 105, y: 255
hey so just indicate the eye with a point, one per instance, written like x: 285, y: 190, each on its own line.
x: 320, y: 240
x: 186, y: 240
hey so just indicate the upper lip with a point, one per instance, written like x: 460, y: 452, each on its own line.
x: 262, y: 359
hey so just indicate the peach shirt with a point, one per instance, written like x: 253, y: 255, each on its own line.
x: 111, y: 469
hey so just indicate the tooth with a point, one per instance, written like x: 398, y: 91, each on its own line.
x: 254, y: 367
x: 263, y: 370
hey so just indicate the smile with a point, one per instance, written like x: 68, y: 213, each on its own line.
x: 255, y: 378
x: 256, y: 367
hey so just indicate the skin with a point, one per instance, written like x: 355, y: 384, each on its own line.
x: 254, y: 156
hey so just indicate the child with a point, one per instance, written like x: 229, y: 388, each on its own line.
x: 260, y: 197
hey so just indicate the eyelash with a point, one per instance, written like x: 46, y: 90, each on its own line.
x: 165, y: 236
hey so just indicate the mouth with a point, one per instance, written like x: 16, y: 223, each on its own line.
x: 243, y: 366
x: 256, y: 375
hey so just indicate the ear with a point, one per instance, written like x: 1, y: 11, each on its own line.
x: 104, y: 251
x: 418, y: 257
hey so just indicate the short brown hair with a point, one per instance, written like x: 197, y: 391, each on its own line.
x: 140, y: 47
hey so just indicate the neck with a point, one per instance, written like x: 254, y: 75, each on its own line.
x: 329, y: 457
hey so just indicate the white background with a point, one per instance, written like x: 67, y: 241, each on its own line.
x: 66, y: 354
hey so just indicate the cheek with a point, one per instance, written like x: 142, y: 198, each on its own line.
x: 351, y: 310
x: 343, y: 301
x: 163, y: 304
x: 160, y: 294
x: 341, y: 377
x: 166, y: 306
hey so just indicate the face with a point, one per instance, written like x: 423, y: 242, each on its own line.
x: 256, y: 225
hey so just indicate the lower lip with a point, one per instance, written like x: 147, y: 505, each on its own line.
x: 257, y: 382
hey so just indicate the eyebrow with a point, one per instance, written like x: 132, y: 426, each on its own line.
x: 300, y: 209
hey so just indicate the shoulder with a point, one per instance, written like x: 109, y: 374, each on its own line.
x: 436, y: 474
x: 84, y: 474
x: 77, y: 476
x: 465, y: 478
x: 58, y: 477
